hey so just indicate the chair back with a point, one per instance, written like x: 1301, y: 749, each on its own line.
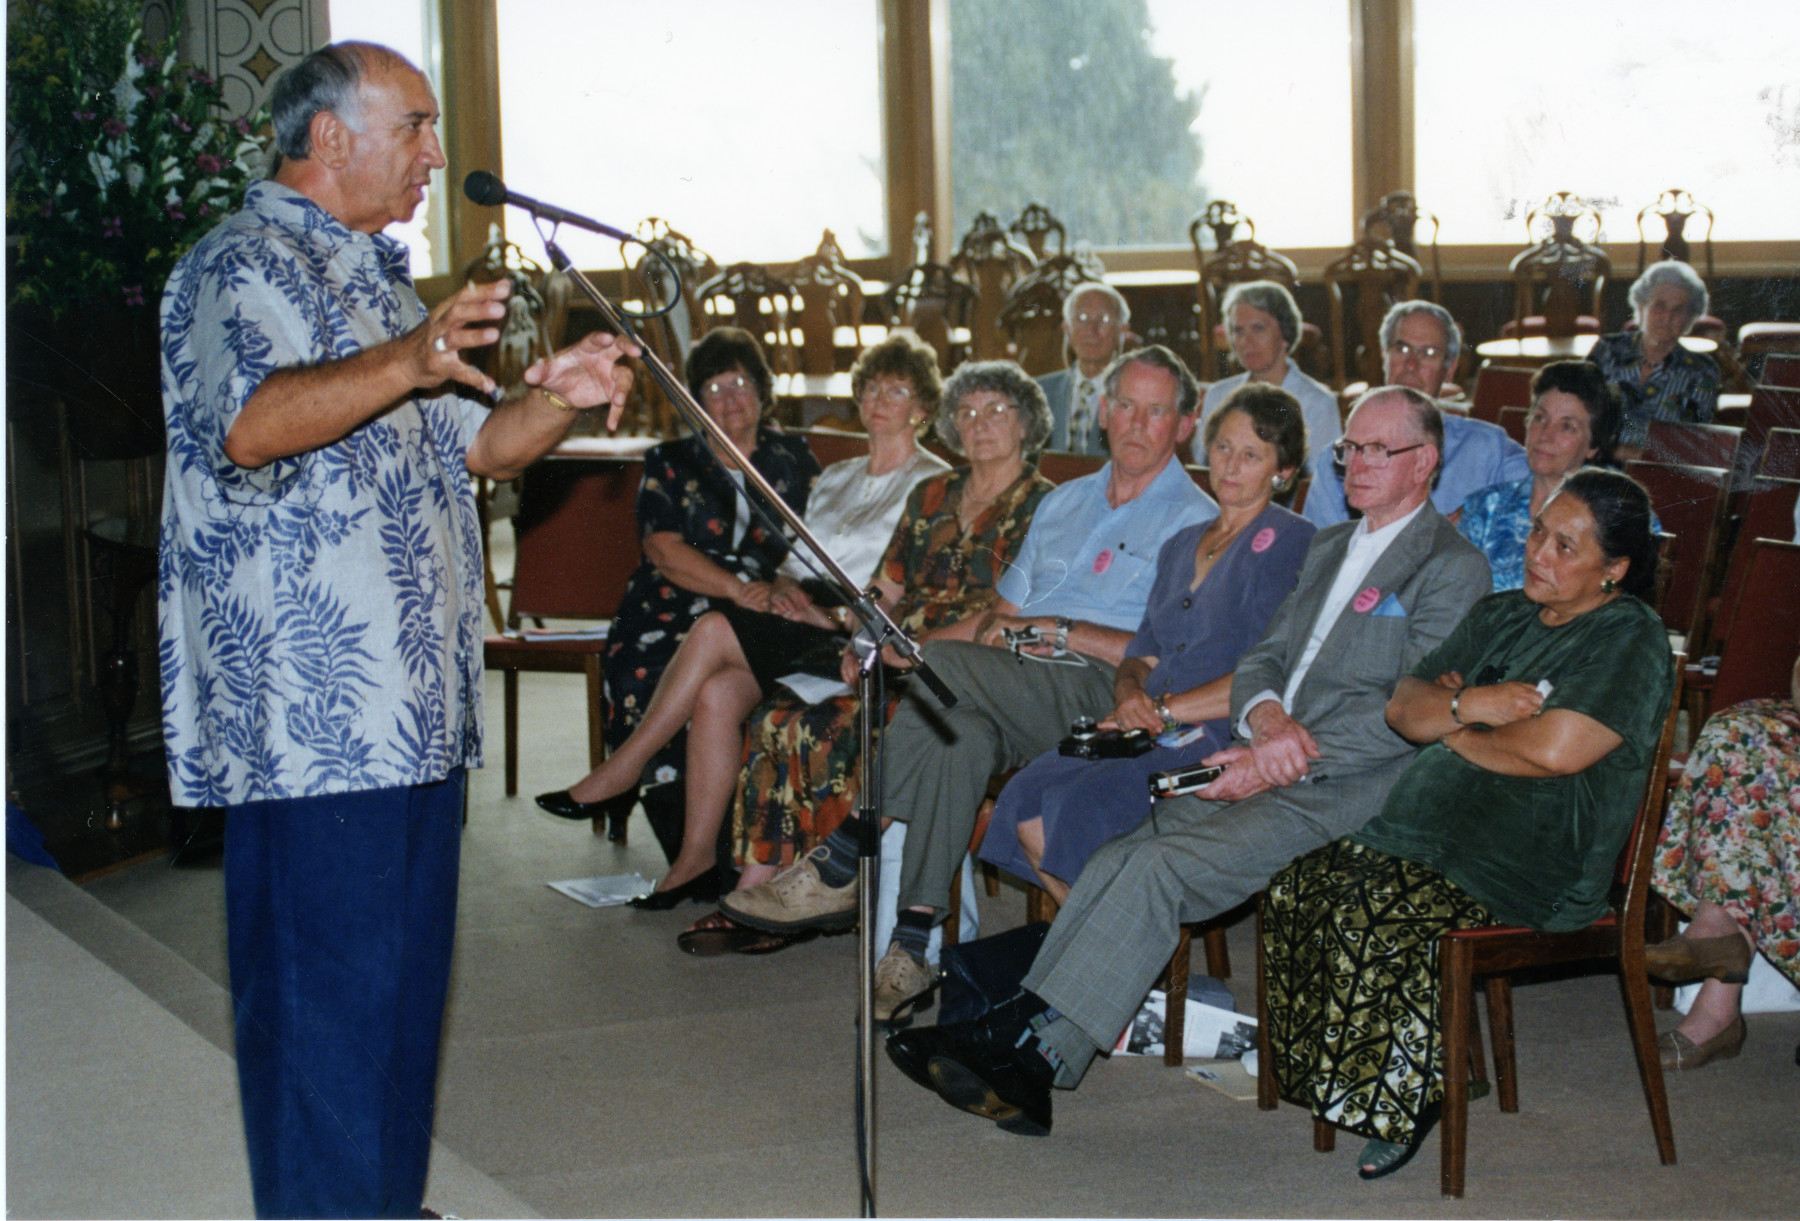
x: 1764, y: 509
x: 1032, y: 317
x: 670, y: 335
x: 1675, y: 207
x: 1379, y: 274
x: 1042, y: 233
x: 750, y: 296
x: 1562, y: 275
x: 1781, y: 454
x: 1693, y: 444
x: 1059, y: 467
x: 1771, y: 407
x: 1781, y: 369
x: 1690, y: 500
x: 1235, y: 260
x: 992, y: 262
x: 828, y: 445
x: 1397, y: 218
x: 1512, y: 420
x: 1631, y: 876
x: 577, y: 538
x: 1758, y: 658
x: 831, y: 306
x: 1498, y: 386
x: 929, y: 298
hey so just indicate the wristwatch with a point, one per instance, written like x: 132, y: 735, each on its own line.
x: 1162, y: 710
x: 1064, y: 625
x: 1455, y: 702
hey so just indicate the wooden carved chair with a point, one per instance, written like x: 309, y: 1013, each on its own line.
x: 750, y: 296
x: 1235, y: 260
x: 1379, y: 275
x: 1691, y: 501
x: 647, y: 280
x: 1498, y: 386
x: 831, y: 308
x: 1675, y: 207
x: 1397, y: 218
x: 1764, y: 510
x: 994, y: 263
x: 1032, y: 317
x: 1043, y: 234
x: 932, y: 300
x: 1693, y: 444
x: 577, y: 547
x: 1557, y: 282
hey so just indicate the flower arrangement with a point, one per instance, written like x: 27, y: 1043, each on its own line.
x: 116, y: 161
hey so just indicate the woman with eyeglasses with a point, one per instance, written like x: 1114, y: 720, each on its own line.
x: 704, y: 550
x: 1574, y: 421
x: 802, y: 773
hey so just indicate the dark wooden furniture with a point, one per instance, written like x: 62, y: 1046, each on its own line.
x: 1557, y: 281
x: 993, y: 263
x: 1690, y: 500
x: 1498, y: 386
x: 1396, y: 217
x: 1760, y: 621
x: 1378, y: 274
x: 1693, y: 444
x: 1235, y: 260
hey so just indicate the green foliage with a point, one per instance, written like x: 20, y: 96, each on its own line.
x: 1062, y: 102
x: 116, y: 162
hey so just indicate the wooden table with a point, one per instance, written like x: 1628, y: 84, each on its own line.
x: 1538, y: 350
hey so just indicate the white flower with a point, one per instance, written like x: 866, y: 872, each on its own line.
x: 134, y: 175
x: 666, y: 774
x: 651, y: 637
x: 102, y: 166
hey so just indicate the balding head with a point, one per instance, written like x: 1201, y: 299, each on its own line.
x: 1393, y: 444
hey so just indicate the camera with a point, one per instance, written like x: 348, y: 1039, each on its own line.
x: 1020, y: 638
x: 1183, y: 780
x: 1087, y: 740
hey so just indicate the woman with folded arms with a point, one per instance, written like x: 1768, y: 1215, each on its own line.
x: 731, y: 657
x: 1574, y: 420
x: 1217, y: 586
x: 1514, y: 812
x: 1727, y: 859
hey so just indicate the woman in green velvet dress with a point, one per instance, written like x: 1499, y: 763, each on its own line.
x: 1514, y: 812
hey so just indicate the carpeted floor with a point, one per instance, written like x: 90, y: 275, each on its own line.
x: 592, y: 1070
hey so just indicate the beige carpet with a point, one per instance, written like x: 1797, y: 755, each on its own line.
x: 592, y: 1070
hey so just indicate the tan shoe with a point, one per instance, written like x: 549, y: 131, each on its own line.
x: 899, y: 979
x: 1682, y: 960
x: 794, y: 900
x: 1680, y: 1053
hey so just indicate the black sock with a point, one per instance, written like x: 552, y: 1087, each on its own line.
x: 912, y: 933
x: 836, y: 858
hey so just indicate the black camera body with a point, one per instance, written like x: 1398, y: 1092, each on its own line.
x: 1087, y: 740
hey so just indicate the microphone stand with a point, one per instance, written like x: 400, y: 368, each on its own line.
x: 881, y: 630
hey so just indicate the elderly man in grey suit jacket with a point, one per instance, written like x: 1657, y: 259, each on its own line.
x: 1094, y: 320
x: 1374, y: 596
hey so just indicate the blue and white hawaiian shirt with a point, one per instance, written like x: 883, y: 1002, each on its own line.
x: 320, y: 616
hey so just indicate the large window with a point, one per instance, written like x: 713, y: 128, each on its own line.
x: 749, y: 127
x: 1616, y: 102
x: 1126, y: 117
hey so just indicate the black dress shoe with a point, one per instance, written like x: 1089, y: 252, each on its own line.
x: 703, y: 889
x: 988, y: 1067
x: 614, y: 809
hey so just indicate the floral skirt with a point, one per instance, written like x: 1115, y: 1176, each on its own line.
x: 1732, y: 836
x: 1350, y: 942
x: 801, y: 777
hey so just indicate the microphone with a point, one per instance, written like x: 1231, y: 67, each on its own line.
x: 485, y: 189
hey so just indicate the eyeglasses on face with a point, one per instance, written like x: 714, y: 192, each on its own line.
x: 1375, y: 455
x: 893, y: 392
x: 727, y: 383
x: 1095, y: 318
x: 993, y: 411
x: 1425, y: 352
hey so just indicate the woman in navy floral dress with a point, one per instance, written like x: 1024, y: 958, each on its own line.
x: 703, y: 548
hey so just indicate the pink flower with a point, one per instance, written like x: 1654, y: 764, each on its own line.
x: 175, y: 212
x: 153, y: 91
x: 112, y: 226
x: 133, y: 294
x: 114, y: 127
x: 206, y: 163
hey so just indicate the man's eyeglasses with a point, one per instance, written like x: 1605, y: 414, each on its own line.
x: 1083, y: 317
x: 1426, y: 352
x: 1375, y: 455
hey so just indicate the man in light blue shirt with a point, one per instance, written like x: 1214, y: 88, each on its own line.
x: 1420, y: 343
x: 319, y: 607
x: 1082, y: 581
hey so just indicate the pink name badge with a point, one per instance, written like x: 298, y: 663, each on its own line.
x: 1265, y: 538
x: 1366, y: 600
x: 1103, y: 561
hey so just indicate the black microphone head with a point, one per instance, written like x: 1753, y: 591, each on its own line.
x: 483, y: 188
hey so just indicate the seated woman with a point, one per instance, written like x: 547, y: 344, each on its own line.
x: 1217, y: 586
x: 1574, y: 420
x: 1514, y: 812
x: 802, y: 770
x: 1262, y: 325
x: 1726, y: 859
x: 1657, y: 378
x: 730, y: 659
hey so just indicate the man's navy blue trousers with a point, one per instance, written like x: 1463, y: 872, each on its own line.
x: 340, y: 914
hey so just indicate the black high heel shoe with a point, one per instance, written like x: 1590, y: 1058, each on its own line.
x: 705, y: 888
x: 616, y: 810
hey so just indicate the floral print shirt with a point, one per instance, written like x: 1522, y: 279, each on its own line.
x: 949, y: 573
x: 320, y: 616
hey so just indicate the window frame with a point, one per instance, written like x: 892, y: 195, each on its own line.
x: 915, y: 56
